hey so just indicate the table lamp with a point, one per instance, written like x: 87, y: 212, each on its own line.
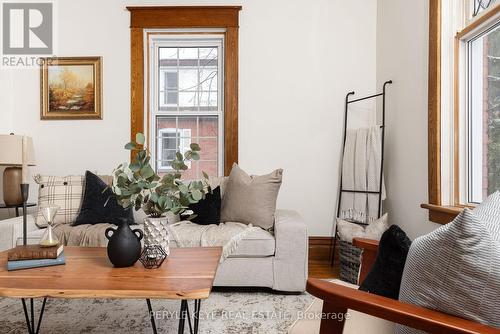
x: 17, y: 153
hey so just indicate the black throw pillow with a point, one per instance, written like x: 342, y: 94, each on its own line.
x: 384, y: 278
x: 207, y: 210
x: 95, y: 210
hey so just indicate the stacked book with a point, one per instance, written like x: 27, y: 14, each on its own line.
x: 34, y: 256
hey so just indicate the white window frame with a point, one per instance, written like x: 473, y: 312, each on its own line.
x: 157, y: 38
x: 184, y: 136
x: 170, y: 71
x: 464, y: 113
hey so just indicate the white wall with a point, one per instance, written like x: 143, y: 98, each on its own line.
x: 402, y: 47
x: 297, y: 60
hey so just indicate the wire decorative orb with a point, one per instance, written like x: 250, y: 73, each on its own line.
x: 152, y: 257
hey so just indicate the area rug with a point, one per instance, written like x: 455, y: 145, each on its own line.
x: 222, y: 313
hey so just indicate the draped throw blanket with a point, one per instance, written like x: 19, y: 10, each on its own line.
x: 227, y: 235
x: 361, y: 171
x: 182, y: 234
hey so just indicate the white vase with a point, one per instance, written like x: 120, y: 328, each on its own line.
x: 156, y: 233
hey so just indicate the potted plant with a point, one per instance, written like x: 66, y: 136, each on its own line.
x: 137, y: 185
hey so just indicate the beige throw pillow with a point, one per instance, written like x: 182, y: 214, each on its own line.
x: 251, y: 199
x: 347, y: 230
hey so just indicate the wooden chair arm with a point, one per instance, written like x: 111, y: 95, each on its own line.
x: 370, y: 250
x: 368, y: 244
x: 338, y: 298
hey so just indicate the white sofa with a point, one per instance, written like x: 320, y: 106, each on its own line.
x: 275, y: 260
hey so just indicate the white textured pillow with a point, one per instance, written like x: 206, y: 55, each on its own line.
x: 66, y: 192
x: 489, y: 213
x: 347, y: 230
x: 456, y: 270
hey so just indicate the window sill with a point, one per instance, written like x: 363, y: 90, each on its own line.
x: 442, y: 214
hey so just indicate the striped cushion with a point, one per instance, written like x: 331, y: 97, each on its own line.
x: 489, y: 213
x: 456, y: 269
x: 66, y: 192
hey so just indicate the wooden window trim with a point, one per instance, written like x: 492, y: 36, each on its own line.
x: 438, y: 212
x: 171, y: 17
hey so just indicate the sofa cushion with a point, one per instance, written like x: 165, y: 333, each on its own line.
x: 257, y: 243
x: 251, y: 199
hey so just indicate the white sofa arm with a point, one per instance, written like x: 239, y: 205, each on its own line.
x: 12, y: 229
x: 291, y: 255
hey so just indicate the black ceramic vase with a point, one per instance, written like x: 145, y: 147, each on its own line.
x: 124, y: 246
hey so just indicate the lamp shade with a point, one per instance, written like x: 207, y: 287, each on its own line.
x: 11, y: 150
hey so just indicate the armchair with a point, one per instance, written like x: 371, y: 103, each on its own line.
x: 338, y: 299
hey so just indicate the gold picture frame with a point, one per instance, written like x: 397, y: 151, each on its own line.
x: 71, y: 88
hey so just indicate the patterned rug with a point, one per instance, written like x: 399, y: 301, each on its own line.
x: 222, y: 313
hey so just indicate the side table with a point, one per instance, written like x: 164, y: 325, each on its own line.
x: 16, y: 206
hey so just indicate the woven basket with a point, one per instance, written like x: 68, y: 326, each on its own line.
x: 350, y: 259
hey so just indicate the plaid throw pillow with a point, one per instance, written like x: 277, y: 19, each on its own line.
x: 66, y: 192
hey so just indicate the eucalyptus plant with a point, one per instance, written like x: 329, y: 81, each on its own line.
x: 138, y: 185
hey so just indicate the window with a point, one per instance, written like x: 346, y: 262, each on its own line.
x: 170, y: 141
x: 157, y: 91
x: 464, y: 105
x: 187, y: 76
x: 483, y: 114
x: 480, y: 5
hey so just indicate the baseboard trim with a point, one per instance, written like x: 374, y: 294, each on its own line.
x: 320, y: 248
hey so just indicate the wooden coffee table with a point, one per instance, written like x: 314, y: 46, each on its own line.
x: 187, y: 274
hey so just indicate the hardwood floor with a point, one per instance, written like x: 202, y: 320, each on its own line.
x: 322, y: 269
x: 319, y: 258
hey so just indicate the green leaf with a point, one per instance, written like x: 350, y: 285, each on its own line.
x: 139, y: 138
x: 147, y: 172
x: 195, y: 156
x: 154, y: 197
x: 183, y: 188
x: 205, y: 175
x: 195, y: 147
x: 179, y: 156
x: 188, y: 154
x: 161, y: 201
x: 130, y: 146
x: 197, y: 195
x: 135, y: 167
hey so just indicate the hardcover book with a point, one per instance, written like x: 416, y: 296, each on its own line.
x: 27, y: 264
x: 34, y: 252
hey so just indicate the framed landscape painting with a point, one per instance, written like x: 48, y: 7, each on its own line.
x: 71, y: 88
